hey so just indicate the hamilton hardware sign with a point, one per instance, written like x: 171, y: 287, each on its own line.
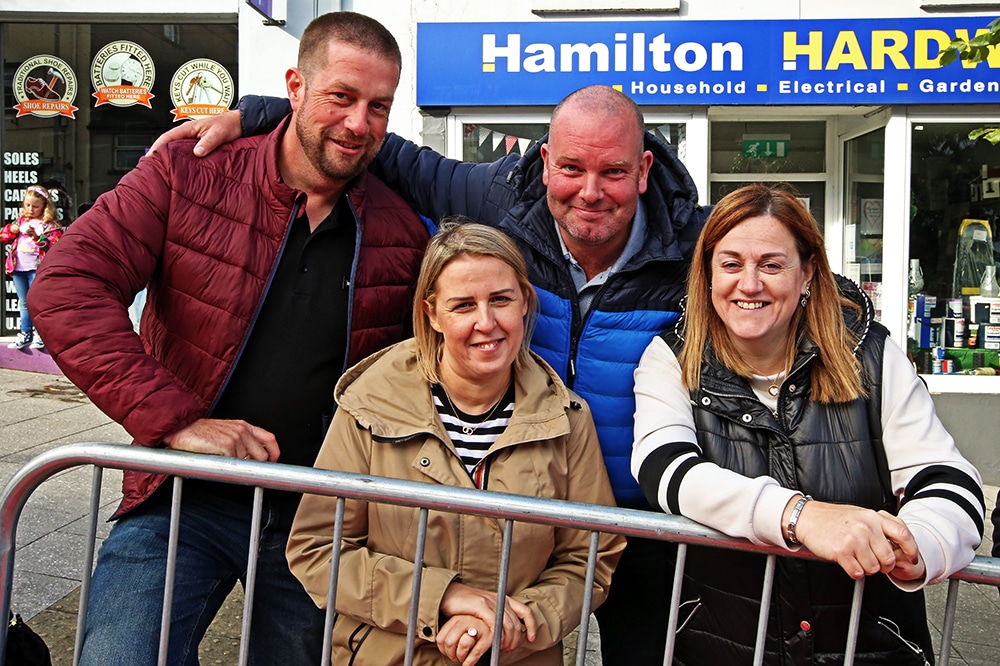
x: 787, y: 62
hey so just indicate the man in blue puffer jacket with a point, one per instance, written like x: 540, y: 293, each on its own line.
x: 607, y: 218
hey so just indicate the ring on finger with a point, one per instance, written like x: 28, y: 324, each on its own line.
x: 472, y: 631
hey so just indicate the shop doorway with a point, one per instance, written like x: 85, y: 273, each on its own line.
x: 862, y: 155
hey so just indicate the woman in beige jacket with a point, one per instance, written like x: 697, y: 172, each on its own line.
x: 463, y: 404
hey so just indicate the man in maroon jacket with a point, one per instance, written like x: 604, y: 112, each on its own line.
x: 272, y: 266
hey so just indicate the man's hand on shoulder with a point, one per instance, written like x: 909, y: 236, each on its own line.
x: 210, y: 132
x: 232, y: 439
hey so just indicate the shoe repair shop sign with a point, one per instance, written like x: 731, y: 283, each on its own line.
x: 828, y: 62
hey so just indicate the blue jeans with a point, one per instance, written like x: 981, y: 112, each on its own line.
x: 126, y: 597
x: 22, y: 280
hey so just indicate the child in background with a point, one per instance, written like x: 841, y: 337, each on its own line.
x: 30, y: 236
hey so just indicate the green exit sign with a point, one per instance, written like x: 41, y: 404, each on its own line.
x: 765, y: 148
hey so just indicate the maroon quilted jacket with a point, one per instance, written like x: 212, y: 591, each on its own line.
x: 205, y: 235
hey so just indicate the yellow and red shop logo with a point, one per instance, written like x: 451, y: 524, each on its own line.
x: 201, y: 88
x: 123, y: 75
x: 45, y: 86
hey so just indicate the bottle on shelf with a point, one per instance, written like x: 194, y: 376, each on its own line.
x: 915, y: 282
x: 916, y: 277
x: 988, y: 287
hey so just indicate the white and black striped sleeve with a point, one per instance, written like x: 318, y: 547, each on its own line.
x: 671, y: 471
x: 940, y: 491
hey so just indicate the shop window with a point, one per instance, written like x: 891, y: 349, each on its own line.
x: 172, y: 33
x: 810, y: 193
x: 768, y: 148
x: 81, y: 143
x: 8, y: 89
x: 864, y: 188
x: 487, y: 142
x: 954, y: 208
x: 129, y: 148
x: 785, y: 152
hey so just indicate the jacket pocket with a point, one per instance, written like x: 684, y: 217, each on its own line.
x: 357, y: 639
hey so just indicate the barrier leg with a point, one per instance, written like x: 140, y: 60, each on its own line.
x: 331, y: 595
x: 588, y: 600
x: 88, y: 561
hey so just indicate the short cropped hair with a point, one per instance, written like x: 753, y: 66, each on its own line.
x: 358, y: 30
x: 460, y: 236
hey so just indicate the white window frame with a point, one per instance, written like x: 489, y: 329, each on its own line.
x: 987, y: 116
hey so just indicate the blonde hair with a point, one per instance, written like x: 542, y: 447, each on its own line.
x: 43, y: 195
x: 459, y: 237
x: 836, y: 372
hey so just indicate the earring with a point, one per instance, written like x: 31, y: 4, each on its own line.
x: 805, y: 297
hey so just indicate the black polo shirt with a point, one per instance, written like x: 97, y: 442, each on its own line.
x: 284, y: 379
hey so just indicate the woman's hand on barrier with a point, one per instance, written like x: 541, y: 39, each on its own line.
x: 232, y: 439
x: 863, y: 542
x: 210, y: 132
x: 909, y: 563
x: 518, y: 621
x: 464, y: 639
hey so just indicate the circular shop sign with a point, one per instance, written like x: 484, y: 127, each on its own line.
x: 201, y: 88
x: 45, y: 86
x: 122, y: 74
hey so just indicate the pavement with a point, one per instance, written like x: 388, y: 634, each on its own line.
x: 40, y: 409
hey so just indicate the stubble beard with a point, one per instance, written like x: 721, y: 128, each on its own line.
x: 313, y: 148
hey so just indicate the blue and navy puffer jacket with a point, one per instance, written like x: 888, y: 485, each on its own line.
x: 597, y: 354
x: 594, y: 354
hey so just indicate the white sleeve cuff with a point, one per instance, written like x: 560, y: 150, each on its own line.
x: 767, y: 515
x: 737, y: 505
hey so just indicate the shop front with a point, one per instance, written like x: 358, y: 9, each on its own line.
x: 88, y: 85
x: 84, y: 99
x: 856, y: 114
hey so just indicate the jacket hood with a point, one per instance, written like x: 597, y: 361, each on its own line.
x: 859, y: 324
x: 387, y: 394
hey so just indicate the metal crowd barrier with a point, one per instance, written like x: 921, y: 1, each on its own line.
x: 426, y: 497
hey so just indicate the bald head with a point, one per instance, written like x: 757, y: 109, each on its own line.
x: 595, y: 170
x: 598, y: 101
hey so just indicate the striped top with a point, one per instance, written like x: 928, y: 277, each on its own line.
x: 473, y: 435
